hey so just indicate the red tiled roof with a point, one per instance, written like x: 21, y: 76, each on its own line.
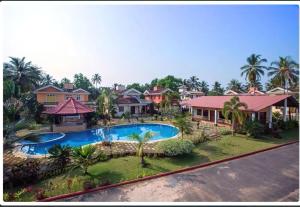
x: 70, y: 106
x: 254, y: 103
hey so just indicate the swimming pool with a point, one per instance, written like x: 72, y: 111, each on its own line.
x: 115, y: 133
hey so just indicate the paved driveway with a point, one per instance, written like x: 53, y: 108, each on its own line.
x: 267, y: 176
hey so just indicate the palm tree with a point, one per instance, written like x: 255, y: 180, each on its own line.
x: 47, y: 80
x: 60, y: 154
x: 96, y: 79
x: 183, y: 124
x: 203, y: 85
x: 286, y: 70
x: 232, y: 109
x: 84, y: 156
x: 193, y: 82
x: 24, y: 74
x: 254, y: 69
x: 141, y: 143
x: 235, y: 85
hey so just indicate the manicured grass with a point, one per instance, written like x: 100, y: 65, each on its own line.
x: 128, y: 168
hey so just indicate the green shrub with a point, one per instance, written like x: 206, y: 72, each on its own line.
x: 142, y: 120
x: 225, y: 131
x: 199, y: 138
x: 176, y: 147
x: 253, y: 128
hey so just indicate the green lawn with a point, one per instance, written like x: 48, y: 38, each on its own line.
x: 127, y: 168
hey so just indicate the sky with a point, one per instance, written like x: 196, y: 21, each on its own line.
x: 137, y: 43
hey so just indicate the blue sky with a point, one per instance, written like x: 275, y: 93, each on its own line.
x: 137, y: 43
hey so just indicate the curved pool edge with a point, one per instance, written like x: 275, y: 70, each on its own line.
x: 17, y: 150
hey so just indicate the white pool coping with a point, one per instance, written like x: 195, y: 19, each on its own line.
x: 18, y: 152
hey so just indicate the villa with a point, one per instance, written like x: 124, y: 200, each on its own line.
x: 185, y: 94
x: 260, y: 107
x: 128, y: 100
x: 252, y: 91
x: 157, y: 95
x: 51, y: 96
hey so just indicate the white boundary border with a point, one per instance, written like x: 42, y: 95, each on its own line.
x: 131, y: 3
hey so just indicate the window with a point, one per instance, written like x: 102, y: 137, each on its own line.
x: 51, y: 97
x: 199, y: 112
x: 78, y: 97
x: 67, y: 96
x: 121, y: 108
x: 205, y: 112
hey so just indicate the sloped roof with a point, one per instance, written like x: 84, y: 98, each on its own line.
x: 254, y: 103
x: 158, y: 91
x: 70, y: 106
x: 78, y: 90
x: 127, y: 100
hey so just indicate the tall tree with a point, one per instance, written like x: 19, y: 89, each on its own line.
x: 170, y: 82
x: 47, y: 80
x: 136, y: 86
x: 81, y: 81
x: 181, y: 121
x: 254, y: 69
x: 286, y: 70
x: 194, y: 83
x: 233, y: 109
x: 204, y: 87
x: 25, y: 75
x: 217, y: 90
x: 96, y: 79
x: 235, y: 85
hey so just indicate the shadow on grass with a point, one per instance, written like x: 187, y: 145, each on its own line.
x: 188, y: 159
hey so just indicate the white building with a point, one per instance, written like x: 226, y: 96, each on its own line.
x: 185, y: 94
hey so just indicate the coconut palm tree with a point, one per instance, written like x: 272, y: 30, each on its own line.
x: 24, y: 74
x: 235, y: 85
x: 96, y: 79
x: 60, y: 154
x: 193, y: 82
x: 142, y: 140
x: 47, y: 80
x: 183, y: 124
x: 286, y: 70
x: 84, y: 156
x: 233, y: 109
x: 254, y: 69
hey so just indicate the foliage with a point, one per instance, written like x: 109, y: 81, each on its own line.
x: 253, y: 128
x: 24, y: 173
x: 60, y: 155
x: 96, y: 79
x: 170, y: 112
x: 254, y: 69
x: 175, y: 147
x: 84, y: 156
x: 232, y: 109
x: 204, y: 87
x: 141, y: 141
x: 139, y: 87
x: 217, y: 90
x: 32, y: 108
x: 81, y: 81
x: 24, y: 74
x: 182, y: 122
x: 87, y: 185
x: 199, y: 138
x: 170, y: 82
x: 224, y: 131
x: 46, y: 79
x: 105, y: 104
x: 9, y: 90
x: 257, y: 84
x: 285, y: 71
x: 235, y: 85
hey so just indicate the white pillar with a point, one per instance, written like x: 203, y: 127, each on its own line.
x: 270, y: 117
x: 258, y: 116
x: 216, y: 117
x: 202, y: 113
x: 253, y: 116
x: 208, y: 115
x: 285, y: 110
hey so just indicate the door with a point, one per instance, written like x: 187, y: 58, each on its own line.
x: 212, y: 115
x: 132, y: 109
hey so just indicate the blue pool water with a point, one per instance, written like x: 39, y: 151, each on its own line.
x: 115, y: 133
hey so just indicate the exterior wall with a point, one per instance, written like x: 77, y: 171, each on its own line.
x: 60, y: 97
x: 127, y: 108
x: 155, y: 98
